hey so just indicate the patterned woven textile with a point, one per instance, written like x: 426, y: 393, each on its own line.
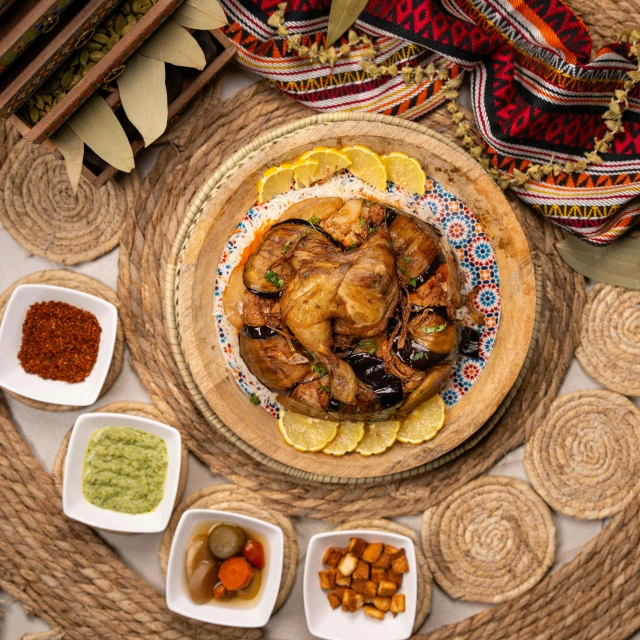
x: 536, y: 95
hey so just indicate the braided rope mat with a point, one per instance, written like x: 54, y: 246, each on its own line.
x: 164, y: 199
x: 229, y: 497
x: 39, y: 210
x: 425, y: 589
x: 584, y: 460
x: 490, y: 541
x: 139, y: 409
x: 610, y: 338
x: 79, y: 282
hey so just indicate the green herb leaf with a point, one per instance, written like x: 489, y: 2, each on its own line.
x: 144, y: 95
x: 362, y: 222
x: 617, y: 264
x: 372, y: 230
x: 273, y: 278
x: 72, y: 148
x: 413, y: 282
x: 323, y: 387
x: 407, y: 259
x: 254, y: 399
x: 402, y: 269
x: 343, y: 14
x: 368, y: 345
x: 320, y: 369
x: 313, y: 220
x: 352, y: 246
x: 419, y: 356
x: 435, y: 329
x: 286, y: 248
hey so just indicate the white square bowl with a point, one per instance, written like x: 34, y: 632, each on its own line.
x: 335, y: 624
x: 76, y: 506
x: 14, y: 378
x: 252, y: 613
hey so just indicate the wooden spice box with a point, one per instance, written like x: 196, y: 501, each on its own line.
x: 190, y: 88
x: 91, y: 82
x: 74, y: 27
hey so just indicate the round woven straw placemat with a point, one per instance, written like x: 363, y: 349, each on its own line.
x: 229, y: 497
x: 490, y: 541
x: 609, y: 348
x: 584, y: 460
x: 43, y: 215
x: 424, y: 593
x: 146, y: 246
x: 132, y: 409
x: 79, y: 282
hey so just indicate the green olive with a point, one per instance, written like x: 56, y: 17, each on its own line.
x: 226, y: 540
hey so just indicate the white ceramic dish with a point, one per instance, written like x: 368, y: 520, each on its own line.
x: 335, y: 624
x: 252, y: 613
x: 12, y: 375
x: 74, y: 503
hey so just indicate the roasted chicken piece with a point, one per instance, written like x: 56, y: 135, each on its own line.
x: 285, y: 246
x: 357, y: 291
x: 417, y: 245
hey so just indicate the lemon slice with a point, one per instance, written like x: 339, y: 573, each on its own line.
x: 405, y: 171
x: 305, y: 433
x: 304, y: 171
x: 367, y: 165
x: 329, y: 161
x: 349, y: 435
x: 378, y: 437
x: 275, y: 181
x: 424, y: 422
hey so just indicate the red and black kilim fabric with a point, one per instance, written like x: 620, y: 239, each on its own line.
x: 537, y: 96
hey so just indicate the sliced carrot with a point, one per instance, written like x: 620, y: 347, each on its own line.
x: 235, y: 573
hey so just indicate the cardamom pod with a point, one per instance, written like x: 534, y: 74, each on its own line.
x: 47, y: 108
x: 127, y: 29
x: 39, y: 102
x: 76, y: 78
x: 135, y: 6
x: 84, y: 57
x: 101, y: 38
x: 145, y: 8
x: 96, y: 56
x: 120, y: 23
x: 65, y: 83
x: 46, y: 97
x: 125, y: 8
x: 88, y: 68
x: 34, y: 114
x: 131, y: 19
x: 93, y: 46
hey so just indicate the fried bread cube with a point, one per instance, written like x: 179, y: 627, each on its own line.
x: 383, y: 562
x: 372, y: 552
x: 365, y: 587
x: 352, y: 601
x: 342, y: 581
x: 378, y: 575
x: 372, y: 612
x: 348, y: 564
x: 328, y: 579
x: 332, y: 556
x: 340, y: 592
x: 334, y: 599
x: 356, y: 547
x: 400, y: 564
x: 396, y: 578
x: 384, y: 604
x: 362, y: 571
x: 397, y: 603
x: 386, y: 589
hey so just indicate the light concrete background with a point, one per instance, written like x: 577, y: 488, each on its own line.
x: 44, y: 431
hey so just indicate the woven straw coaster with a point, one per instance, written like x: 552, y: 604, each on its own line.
x: 490, y: 541
x: 79, y: 282
x: 145, y: 249
x: 424, y: 593
x: 609, y: 348
x: 132, y: 409
x: 40, y: 211
x: 584, y: 460
x: 229, y: 497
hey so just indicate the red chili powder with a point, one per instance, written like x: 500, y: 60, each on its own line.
x: 59, y: 341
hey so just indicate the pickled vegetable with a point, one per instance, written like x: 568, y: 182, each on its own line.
x: 226, y: 540
x: 221, y: 593
x: 251, y: 590
x: 254, y: 553
x: 198, y: 551
x: 235, y: 573
x: 203, y: 581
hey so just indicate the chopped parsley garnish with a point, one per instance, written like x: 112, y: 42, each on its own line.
x: 358, y: 410
x: 254, y: 399
x: 419, y: 356
x: 435, y: 329
x: 286, y: 248
x: 313, y: 221
x: 362, y: 222
x: 319, y: 368
x: 323, y: 387
x: 351, y: 247
x: 368, y: 345
x: 372, y: 230
x: 273, y: 278
x: 402, y: 269
x: 407, y: 259
x: 413, y: 282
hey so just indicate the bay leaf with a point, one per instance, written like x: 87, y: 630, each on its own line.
x: 342, y: 15
x: 617, y: 264
x: 97, y: 126
x: 72, y: 148
x: 195, y: 17
x: 144, y: 96
x: 212, y: 7
x: 171, y: 43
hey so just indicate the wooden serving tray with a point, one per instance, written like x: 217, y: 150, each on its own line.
x: 220, y: 214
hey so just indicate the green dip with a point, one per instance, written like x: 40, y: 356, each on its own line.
x: 125, y: 470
